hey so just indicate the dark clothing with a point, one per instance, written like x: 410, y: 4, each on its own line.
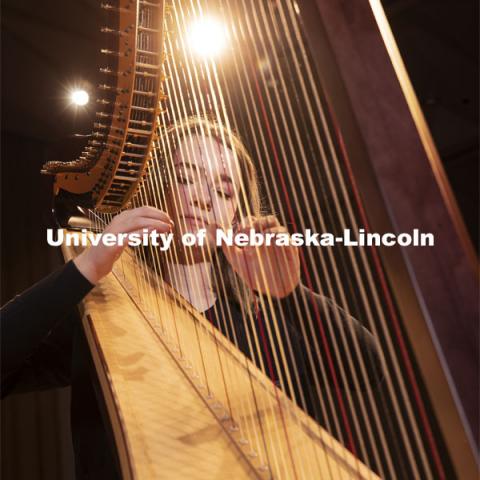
x: 43, y: 346
x: 30, y: 319
x: 334, y: 339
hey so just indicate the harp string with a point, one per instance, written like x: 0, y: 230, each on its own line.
x: 205, y: 87
x: 155, y: 265
x: 281, y: 314
x: 405, y: 356
x: 221, y: 366
x: 367, y: 269
x: 271, y: 47
x: 172, y: 255
x: 146, y: 44
x: 286, y: 195
x: 197, y: 104
x: 261, y: 165
x: 264, y: 323
x: 188, y: 153
x: 174, y: 258
x: 287, y: 370
x: 267, y: 30
x: 171, y: 261
x: 258, y: 415
x: 307, y: 344
x: 335, y: 270
x: 254, y: 135
x: 206, y: 377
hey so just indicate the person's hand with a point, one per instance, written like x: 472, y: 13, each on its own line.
x: 97, y: 261
x: 266, y: 269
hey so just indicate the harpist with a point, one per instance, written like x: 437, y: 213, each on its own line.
x: 209, y: 185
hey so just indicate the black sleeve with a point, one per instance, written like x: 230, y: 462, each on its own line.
x: 335, y: 338
x: 31, y: 323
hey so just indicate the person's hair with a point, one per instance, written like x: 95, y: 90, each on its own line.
x: 249, y: 200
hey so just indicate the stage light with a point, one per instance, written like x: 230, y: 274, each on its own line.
x: 79, y: 97
x: 207, y: 37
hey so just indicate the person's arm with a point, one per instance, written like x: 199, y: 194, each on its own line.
x: 29, y: 318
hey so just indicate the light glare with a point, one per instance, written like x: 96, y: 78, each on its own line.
x: 79, y: 97
x: 207, y: 37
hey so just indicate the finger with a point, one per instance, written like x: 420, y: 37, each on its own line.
x: 282, y: 230
x: 235, y: 256
x: 139, y: 223
x: 125, y: 221
x: 150, y: 212
x: 260, y: 224
x: 246, y: 222
x: 276, y: 229
x: 268, y: 221
x: 211, y: 230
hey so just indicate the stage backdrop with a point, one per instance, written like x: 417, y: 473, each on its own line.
x: 35, y: 429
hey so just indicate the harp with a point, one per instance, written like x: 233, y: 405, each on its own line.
x: 319, y: 92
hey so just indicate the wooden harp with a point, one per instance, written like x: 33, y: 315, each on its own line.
x: 318, y: 92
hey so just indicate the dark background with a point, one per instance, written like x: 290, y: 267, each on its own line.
x: 52, y: 45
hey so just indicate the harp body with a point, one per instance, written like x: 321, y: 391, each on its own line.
x: 165, y: 422
x: 376, y: 143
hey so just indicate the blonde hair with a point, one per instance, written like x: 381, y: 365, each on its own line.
x: 249, y: 199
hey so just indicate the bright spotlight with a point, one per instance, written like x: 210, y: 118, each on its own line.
x: 79, y: 97
x: 207, y: 37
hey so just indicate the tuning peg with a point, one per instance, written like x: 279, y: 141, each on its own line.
x: 106, y: 51
x: 147, y: 74
x: 115, y: 139
x: 112, y: 8
x: 143, y: 123
x: 82, y: 135
x: 109, y: 88
x: 116, y: 53
x: 109, y: 71
x: 129, y: 163
x: 104, y: 101
x: 109, y: 115
x: 148, y: 30
x: 112, y: 31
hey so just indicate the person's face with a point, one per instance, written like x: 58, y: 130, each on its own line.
x: 205, y: 185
